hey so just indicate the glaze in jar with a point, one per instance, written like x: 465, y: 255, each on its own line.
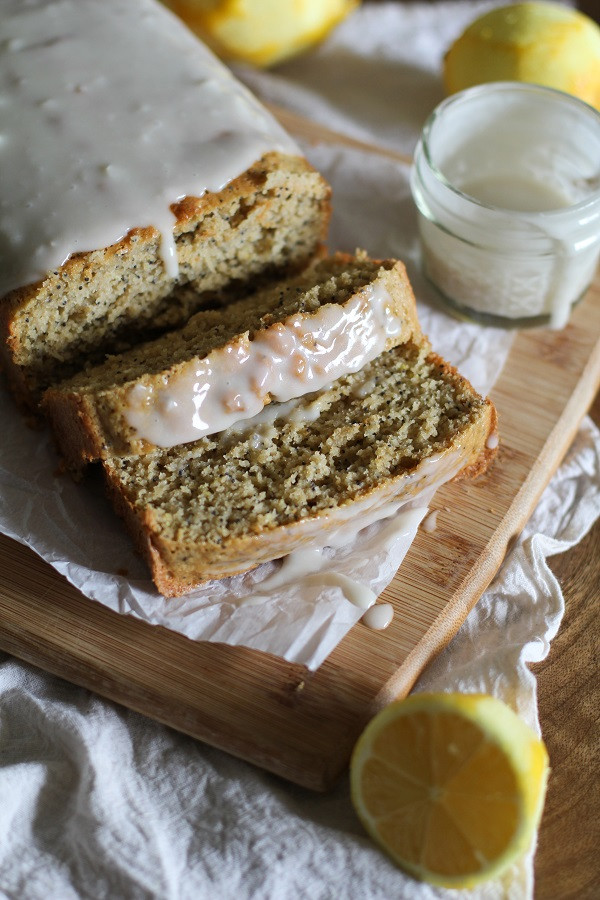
x: 506, y: 180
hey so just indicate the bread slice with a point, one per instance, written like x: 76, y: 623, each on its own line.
x: 225, y: 365
x: 270, y: 221
x: 267, y: 486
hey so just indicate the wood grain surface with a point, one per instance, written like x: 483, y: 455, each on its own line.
x: 567, y: 865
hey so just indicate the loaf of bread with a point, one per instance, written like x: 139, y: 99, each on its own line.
x: 296, y: 472
x: 140, y: 182
x: 225, y: 365
x: 143, y: 193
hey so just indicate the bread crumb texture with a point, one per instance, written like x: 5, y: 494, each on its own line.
x: 89, y: 411
x: 207, y: 499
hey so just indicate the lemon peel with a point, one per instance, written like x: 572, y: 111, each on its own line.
x: 262, y: 32
x: 537, y: 42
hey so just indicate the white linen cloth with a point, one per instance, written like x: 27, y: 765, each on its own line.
x: 100, y: 802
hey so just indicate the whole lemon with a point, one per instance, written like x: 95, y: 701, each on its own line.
x: 261, y: 32
x: 543, y: 43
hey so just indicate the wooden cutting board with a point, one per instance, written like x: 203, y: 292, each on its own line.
x: 280, y: 716
x: 298, y: 724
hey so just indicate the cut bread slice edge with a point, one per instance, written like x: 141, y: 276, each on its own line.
x: 182, y: 558
x: 225, y: 365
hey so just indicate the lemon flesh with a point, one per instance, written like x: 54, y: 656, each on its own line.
x: 451, y: 786
x: 261, y: 32
x: 540, y: 43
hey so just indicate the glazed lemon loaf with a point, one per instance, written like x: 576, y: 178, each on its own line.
x: 143, y: 192
x: 225, y: 365
x: 140, y: 182
x: 292, y: 475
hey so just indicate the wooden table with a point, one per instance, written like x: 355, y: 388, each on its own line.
x: 568, y: 857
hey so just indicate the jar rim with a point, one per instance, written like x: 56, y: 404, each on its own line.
x: 507, y: 87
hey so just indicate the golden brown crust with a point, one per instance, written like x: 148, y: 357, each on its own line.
x: 14, y: 374
x: 187, y: 212
x: 139, y: 526
x: 75, y: 430
x: 488, y: 451
x: 482, y: 463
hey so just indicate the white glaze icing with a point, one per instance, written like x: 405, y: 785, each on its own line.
x: 379, y: 616
x: 312, y: 566
x: 354, y: 592
x: 364, y: 388
x: 492, y: 441
x: 429, y: 523
x: 111, y: 112
x: 296, y: 565
x: 401, y: 520
x: 300, y: 355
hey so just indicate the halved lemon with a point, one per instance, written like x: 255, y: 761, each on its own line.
x: 261, y: 32
x: 451, y: 786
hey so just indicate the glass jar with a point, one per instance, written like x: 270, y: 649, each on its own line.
x: 506, y: 180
